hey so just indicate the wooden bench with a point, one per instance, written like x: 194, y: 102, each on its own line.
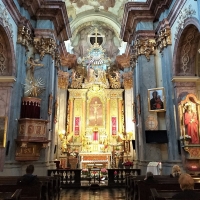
x: 143, y: 191
x: 132, y: 187
x: 27, y: 192
x: 164, y: 194
x: 50, y: 185
x: 11, y: 195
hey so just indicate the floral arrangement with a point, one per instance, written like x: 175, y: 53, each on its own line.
x: 104, y: 171
x: 84, y: 171
x: 128, y: 163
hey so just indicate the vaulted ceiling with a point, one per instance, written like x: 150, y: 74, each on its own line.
x: 84, y: 12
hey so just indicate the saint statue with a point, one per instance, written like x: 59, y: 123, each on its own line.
x: 191, y: 124
x: 30, y: 70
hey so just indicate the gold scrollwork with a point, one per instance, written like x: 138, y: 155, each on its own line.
x: 128, y: 80
x: 63, y: 79
x: 145, y: 47
x: 164, y: 38
x: 24, y: 36
x: 45, y: 46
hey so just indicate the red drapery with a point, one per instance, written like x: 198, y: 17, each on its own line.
x: 95, y: 135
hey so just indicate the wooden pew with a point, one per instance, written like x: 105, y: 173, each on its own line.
x: 27, y: 192
x: 143, y: 191
x: 11, y: 195
x: 164, y: 194
x: 50, y: 185
x: 132, y: 188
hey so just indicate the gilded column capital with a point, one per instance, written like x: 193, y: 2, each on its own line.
x: 24, y: 36
x: 163, y: 39
x: 45, y: 46
x: 128, y: 80
x: 63, y: 79
x: 145, y: 46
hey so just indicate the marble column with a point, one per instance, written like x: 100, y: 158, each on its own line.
x: 146, y: 79
x: 166, y: 61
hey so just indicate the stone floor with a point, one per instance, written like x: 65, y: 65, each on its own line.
x: 93, y: 194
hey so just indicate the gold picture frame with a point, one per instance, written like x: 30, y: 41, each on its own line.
x: 156, y: 99
x: 3, y: 130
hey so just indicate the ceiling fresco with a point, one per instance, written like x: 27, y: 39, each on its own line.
x: 87, y: 15
x: 77, y: 7
x: 95, y: 3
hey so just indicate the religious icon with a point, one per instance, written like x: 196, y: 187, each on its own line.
x: 191, y: 123
x: 156, y: 101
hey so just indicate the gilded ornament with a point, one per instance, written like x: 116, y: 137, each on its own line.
x: 114, y: 79
x: 45, y: 46
x: 24, y: 36
x: 76, y: 80
x: 145, y: 47
x: 164, y: 38
x: 128, y: 80
x: 63, y: 79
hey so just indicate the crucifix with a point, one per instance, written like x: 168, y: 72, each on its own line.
x: 96, y: 35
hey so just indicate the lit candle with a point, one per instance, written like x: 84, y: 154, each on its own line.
x: 160, y: 165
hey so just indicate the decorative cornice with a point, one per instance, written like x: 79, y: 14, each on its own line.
x: 50, y: 10
x: 174, y: 11
x: 45, y: 46
x: 185, y: 79
x: 137, y: 11
x: 7, y: 79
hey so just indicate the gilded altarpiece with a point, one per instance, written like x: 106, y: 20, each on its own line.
x: 95, y: 119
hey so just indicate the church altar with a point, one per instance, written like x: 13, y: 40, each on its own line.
x: 95, y: 158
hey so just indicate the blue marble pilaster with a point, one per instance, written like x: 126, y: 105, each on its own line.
x: 146, y: 80
x: 166, y: 61
x: 47, y: 73
x: 17, y: 94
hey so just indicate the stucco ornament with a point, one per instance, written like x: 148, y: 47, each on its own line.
x: 184, y: 14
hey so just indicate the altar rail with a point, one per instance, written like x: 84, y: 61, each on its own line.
x: 71, y: 178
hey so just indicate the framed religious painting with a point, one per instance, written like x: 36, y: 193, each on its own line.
x: 3, y: 131
x: 156, y: 99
